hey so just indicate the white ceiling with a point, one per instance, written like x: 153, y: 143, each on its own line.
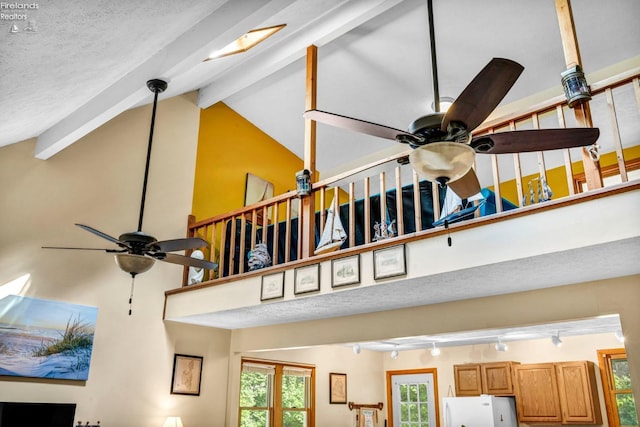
x: 89, y: 61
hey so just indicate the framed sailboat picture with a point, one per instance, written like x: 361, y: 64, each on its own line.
x: 389, y: 262
x: 306, y: 279
x: 345, y: 271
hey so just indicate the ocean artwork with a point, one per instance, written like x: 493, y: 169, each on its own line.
x: 45, y: 339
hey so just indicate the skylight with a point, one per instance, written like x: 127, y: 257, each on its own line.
x: 246, y: 42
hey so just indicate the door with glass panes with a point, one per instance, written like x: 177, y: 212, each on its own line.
x: 413, y: 398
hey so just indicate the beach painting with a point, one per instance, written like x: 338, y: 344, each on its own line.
x: 45, y: 339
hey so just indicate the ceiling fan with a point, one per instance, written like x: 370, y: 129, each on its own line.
x: 444, y: 147
x: 136, y: 251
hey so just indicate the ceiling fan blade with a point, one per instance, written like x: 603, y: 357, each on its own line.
x: 103, y: 235
x: 520, y: 141
x: 355, y: 125
x: 178, y: 244
x: 185, y: 260
x: 483, y: 94
x: 86, y: 249
x: 466, y: 186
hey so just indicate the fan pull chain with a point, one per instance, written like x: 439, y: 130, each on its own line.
x: 446, y: 226
x: 133, y: 282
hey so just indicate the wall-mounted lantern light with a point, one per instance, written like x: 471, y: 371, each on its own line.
x: 575, y: 86
x: 303, y: 182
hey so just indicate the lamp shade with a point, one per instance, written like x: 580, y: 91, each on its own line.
x: 443, y: 161
x: 134, y: 264
x: 173, y: 422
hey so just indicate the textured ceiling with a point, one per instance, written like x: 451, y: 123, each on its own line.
x: 609, y: 260
x: 88, y: 61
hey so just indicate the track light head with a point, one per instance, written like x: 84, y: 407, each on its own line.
x: 435, y: 351
x: 394, y: 353
x: 356, y: 348
x: 555, y: 339
x: 500, y: 346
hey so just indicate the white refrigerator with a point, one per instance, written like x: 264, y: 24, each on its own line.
x: 480, y: 411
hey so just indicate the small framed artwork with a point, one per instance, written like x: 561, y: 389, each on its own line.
x: 306, y: 279
x: 389, y: 262
x: 272, y: 286
x: 337, y: 388
x: 345, y: 271
x: 187, y: 374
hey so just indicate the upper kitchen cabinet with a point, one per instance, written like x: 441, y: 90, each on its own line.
x: 474, y: 379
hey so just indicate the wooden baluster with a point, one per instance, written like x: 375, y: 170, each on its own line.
x: 496, y: 180
x: 617, y: 141
x: 399, y: 207
x: 300, y: 219
x: 223, y: 242
x: 232, y: 247
x: 276, y: 230
x: 243, y: 248
x: 383, y: 200
x: 517, y: 170
x: 417, y: 203
x: 352, y: 214
x: 568, y: 166
x: 287, y: 238
x: 367, y: 210
x: 542, y: 168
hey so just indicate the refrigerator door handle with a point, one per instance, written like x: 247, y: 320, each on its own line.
x: 447, y: 415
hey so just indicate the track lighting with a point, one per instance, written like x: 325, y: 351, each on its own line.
x: 555, y: 339
x: 500, y: 346
x: 394, y: 353
x: 435, y: 351
x: 619, y: 336
x: 356, y: 349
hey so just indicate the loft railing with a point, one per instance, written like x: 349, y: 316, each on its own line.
x: 389, y: 194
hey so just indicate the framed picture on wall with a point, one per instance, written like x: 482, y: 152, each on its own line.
x: 187, y: 374
x: 389, y: 262
x: 272, y: 286
x: 345, y: 271
x: 306, y: 279
x: 337, y: 388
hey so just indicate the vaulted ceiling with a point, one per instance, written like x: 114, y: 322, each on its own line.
x: 87, y: 62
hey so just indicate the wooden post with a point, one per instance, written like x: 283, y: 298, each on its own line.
x: 308, y: 202
x: 582, y: 111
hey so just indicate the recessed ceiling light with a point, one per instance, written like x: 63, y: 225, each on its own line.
x: 246, y: 42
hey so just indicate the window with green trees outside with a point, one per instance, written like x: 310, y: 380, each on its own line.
x: 276, y: 395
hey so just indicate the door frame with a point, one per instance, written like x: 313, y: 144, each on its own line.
x: 432, y: 371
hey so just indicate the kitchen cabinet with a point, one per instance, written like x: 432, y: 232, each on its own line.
x: 536, y: 389
x: 474, y: 379
x: 578, y: 393
x: 560, y: 393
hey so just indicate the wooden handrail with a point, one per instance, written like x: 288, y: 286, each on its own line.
x: 232, y: 260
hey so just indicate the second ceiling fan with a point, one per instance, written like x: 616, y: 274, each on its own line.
x: 444, y: 147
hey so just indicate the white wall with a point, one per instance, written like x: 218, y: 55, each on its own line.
x: 98, y: 181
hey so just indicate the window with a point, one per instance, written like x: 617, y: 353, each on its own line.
x: 276, y: 394
x: 616, y: 382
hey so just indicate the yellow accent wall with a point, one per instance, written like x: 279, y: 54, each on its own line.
x: 229, y: 146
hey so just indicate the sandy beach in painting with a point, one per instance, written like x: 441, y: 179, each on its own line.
x: 45, y: 339
x: 16, y: 355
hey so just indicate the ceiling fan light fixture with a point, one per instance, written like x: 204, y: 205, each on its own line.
x: 442, y: 162
x: 134, y: 264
